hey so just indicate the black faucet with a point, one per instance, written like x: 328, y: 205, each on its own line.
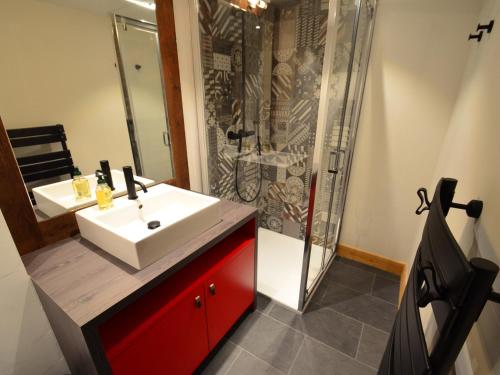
x: 239, y: 136
x: 130, y: 182
x: 106, y: 170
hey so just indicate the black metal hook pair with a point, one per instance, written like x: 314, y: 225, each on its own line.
x: 480, y: 28
x: 473, y: 208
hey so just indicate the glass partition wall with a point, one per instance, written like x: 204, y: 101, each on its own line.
x: 335, y: 144
x: 282, y: 85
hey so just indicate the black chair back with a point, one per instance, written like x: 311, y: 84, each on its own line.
x: 44, y: 165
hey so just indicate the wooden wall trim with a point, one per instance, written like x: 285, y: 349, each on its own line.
x: 375, y: 260
x: 14, y: 201
x: 58, y: 228
x: 172, y: 84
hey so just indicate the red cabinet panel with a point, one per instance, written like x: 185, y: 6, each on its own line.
x: 229, y: 291
x: 171, y: 329
x: 172, y: 341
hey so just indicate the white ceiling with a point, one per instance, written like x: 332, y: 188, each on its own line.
x: 104, y: 7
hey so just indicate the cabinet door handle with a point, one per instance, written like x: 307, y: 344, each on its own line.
x: 197, y: 301
x: 211, y: 287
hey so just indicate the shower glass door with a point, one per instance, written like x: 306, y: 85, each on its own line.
x: 346, y: 82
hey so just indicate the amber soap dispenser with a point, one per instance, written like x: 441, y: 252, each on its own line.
x: 103, y: 192
x: 81, y: 186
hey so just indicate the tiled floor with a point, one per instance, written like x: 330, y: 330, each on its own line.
x: 344, y: 330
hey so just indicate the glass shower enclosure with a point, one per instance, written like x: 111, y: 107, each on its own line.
x: 335, y: 145
x: 282, y: 87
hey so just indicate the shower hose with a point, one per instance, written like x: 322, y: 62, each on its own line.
x: 236, y: 185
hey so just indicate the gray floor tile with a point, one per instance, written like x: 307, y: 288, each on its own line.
x: 323, y: 324
x: 247, y: 364
x: 372, y: 346
x: 317, y: 359
x: 366, y: 267
x: 332, y: 326
x: 269, y: 340
x: 362, y: 307
x: 319, y: 293
x: 264, y: 303
x: 222, y: 361
x: 386, y: 289
x: 350, y: 276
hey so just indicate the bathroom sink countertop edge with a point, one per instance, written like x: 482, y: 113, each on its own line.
x: 85, y: 281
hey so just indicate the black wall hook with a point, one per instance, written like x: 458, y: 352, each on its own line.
x: 488, y: 28
x: 477, y: 36
x: 473, y: 208
x: 480, y: 28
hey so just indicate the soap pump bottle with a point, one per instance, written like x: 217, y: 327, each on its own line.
x: 81, y: 186
x: 103, y: 192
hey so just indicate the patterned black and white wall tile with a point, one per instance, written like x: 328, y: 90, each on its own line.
x: 264, y: 73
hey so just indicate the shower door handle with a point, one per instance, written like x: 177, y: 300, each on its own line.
x: 166, y: 139
x: 335, y: 168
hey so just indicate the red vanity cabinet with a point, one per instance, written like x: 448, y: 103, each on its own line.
x: 176, y: 331
x: 173, y: 327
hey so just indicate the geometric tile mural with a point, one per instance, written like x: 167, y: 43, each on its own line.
x: 264, y: 74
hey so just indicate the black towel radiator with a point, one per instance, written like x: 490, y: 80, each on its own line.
x: 441, y: 275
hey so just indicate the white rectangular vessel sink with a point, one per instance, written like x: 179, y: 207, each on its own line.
x: 124, y: 229
x: 58, y: 198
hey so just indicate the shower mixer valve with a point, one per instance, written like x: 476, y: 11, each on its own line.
x: 241, y: 134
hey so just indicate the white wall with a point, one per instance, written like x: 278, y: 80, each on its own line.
x: 58, y: 66
x: 28, y: 345
x: 418, y: 58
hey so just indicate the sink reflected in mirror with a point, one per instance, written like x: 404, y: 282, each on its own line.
x: 58, y: 198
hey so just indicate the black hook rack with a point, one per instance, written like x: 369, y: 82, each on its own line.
x: 488, y: 28
x: 473, y: 208
x: 477, y: 36
x: 480, y: 28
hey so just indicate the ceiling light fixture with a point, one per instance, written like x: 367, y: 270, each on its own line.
x: 257, y: 4
x: 143, y: 3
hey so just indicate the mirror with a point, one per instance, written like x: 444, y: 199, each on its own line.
x: 82, y: 83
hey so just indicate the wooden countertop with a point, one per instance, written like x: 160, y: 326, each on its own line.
x: 85, y: 281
